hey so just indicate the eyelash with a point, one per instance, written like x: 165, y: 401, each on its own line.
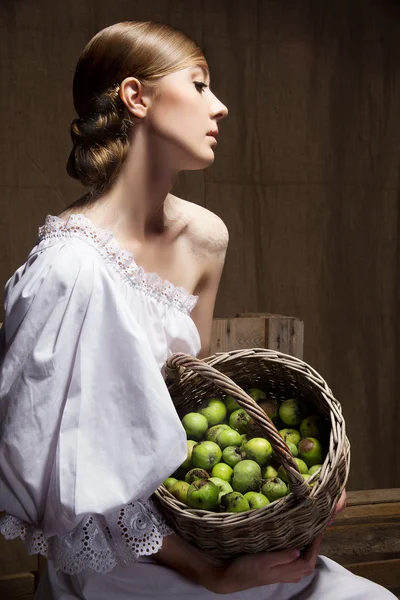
x: 200, y: 86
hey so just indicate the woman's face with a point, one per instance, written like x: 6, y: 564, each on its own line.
x: 184, y: 116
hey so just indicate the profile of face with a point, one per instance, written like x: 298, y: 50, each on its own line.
x: 180, y: 116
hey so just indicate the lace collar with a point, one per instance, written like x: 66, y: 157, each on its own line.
x: 123, y: 261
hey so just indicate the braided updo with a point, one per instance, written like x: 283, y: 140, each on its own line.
x: 101, y: 133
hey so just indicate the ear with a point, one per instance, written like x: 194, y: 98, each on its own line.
x: 135, y: 96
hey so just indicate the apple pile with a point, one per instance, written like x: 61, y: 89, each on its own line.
x: 229, y: 469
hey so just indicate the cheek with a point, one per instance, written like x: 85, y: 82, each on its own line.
x: 179, y: 116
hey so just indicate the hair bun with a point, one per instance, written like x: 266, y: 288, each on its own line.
x: 100, y: 143
x: 98, y: 127
x: 84, y: 131
x: 106, y: 103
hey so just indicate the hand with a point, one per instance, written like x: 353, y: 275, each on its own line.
x: 340, y: 506
x: 266, y: 568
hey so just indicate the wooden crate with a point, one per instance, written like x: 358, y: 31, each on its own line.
x: 258, y: 330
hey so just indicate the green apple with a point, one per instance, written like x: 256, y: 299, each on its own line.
x: 256, y: 394
x: 293, y: 448
x: 290, y: 412
x: 228, y: 437
x: 269, y: 472
x: 195, y: 474
x: 195, y: 425
x: 222, y: 471
x: 256, y: 500
x: 203, y: 494
x: 258, y: 449
x: 311, y: 427
x: 306, y: 477
x: 234, y: 502
x: 310, y: 450
x: 211, y: 435
x: 290, y: 435
x: 271, y: 409
x: 169, y: 482
x: 302, y: 468
x: 245, y: 439
x: 246, y: 476
x: 180, y: 490
x: 274, y: 489
x: 223, y: 486
x: 231, y: 403
x: 187, y: 463
x: 206, y: 454
x: 232, y: 455
x: 240, y: 420
x: 214, y: 411
x: 314, y: 469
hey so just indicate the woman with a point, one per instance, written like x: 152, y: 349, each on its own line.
x: 88, y: 428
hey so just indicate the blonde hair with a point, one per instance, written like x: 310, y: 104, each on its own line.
x: 100, y: 134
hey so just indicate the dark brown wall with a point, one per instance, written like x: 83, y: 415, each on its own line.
x: 306, y: 175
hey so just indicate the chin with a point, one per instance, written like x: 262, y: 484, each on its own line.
x: 200, y: 162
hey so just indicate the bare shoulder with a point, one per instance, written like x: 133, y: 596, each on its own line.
x: 206, y: 232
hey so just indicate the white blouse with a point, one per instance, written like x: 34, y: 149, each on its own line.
x: 88, y: 428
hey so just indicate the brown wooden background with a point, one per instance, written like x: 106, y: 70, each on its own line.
x: 306, y: 175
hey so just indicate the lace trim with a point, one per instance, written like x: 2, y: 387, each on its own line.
x: 98, y: 542
x: 104, y: 241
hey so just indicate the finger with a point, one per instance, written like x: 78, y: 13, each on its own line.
x: 282, y: 557
x: 289, y: 573
x: 311, y: 552
x: 341, y: 505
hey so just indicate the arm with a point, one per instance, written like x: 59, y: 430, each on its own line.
x: 247, y: 571
x: 243, y: 573
x: 207, y: 288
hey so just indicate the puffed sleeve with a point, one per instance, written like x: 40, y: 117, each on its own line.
x: 87, y: 423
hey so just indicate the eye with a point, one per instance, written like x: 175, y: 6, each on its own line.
x: 200, y: 85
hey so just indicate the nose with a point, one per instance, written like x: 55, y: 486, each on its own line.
x: 218, y: 111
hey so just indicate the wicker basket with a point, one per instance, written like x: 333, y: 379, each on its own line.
x: 294, y: 520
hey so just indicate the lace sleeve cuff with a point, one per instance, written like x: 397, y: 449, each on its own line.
x: 99, y: 542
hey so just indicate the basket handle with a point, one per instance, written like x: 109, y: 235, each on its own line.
x: 175, y: 367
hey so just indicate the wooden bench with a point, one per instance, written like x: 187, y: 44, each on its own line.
x: 365, y: 539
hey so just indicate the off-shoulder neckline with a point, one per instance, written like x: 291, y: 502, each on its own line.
x: 78, y: 225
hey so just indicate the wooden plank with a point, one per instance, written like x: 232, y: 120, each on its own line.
x: 369, y: 528
x: 384, y: 572
x: 347, y: 541
x: 373, y: 496
x: 246, y: 315
x: 17, y: 587
x: 42, y: 562
x: 234, y: 334
x: 284, y: 334
x: 14, y: 557
x: 372, y: 513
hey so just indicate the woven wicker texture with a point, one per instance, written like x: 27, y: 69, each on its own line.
x: 294, y: 520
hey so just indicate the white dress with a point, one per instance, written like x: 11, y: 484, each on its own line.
x: 88, y: 429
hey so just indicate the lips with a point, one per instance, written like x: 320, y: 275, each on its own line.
x: 213, y: 133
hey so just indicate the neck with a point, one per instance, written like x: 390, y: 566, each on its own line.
x: 136, y: 207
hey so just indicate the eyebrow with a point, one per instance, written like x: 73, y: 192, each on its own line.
x: 205, y: 72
